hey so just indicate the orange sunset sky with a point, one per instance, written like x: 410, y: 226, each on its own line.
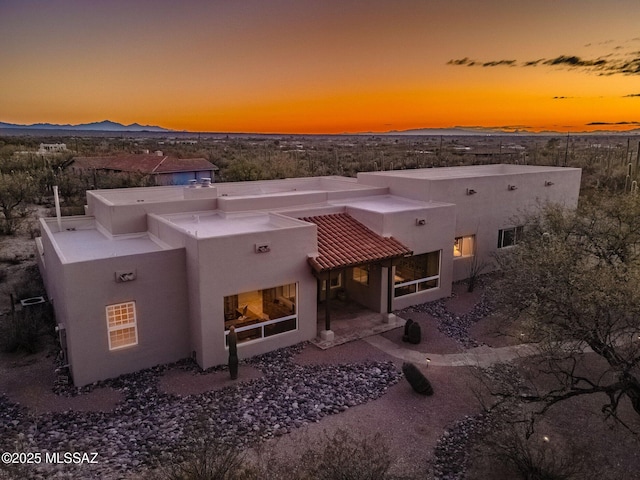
x: 294, y: 66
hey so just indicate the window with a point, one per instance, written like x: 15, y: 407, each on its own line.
x: 508, y: 237
x: 335, y: 282
x: 417, y: 273
x: 361, y: 274
x: 121, y: 324
x: 262, y: 313
x: 463, y: 246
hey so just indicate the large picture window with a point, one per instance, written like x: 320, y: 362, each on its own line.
x: 463, y: 246
x: 508, y: 237
x: 418, y: 273
x: 262, y: 313
x: 121, y: 324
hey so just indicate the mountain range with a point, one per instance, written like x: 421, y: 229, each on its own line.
x: 109, y: 126
x: 103, y: 126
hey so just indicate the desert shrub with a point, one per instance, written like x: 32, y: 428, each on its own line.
x: 337, y: 456
x: 22, y: 330
x: 31, y: 285
x: 209, y: 459
x: 532, y: 458
x: 343, y: 456
x: 416, y: 379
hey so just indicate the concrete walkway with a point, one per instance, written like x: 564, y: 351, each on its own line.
x: 483, y: 356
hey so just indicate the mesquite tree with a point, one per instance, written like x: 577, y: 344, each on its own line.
x: 574, y: 282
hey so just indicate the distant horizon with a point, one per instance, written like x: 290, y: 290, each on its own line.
x: 136, y: 127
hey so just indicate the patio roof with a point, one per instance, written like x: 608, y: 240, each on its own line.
x: 345, y: 242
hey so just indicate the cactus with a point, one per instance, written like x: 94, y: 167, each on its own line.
x: 414, y: 333
x: 407, y: 325
x: 233, y: 352
x: 416, y: 379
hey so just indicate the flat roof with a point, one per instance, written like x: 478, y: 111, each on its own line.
x: 444, y: 173
x: 219, y: 224
x: 386, y: 203
x: 171, y: 193
x: 81, y: 243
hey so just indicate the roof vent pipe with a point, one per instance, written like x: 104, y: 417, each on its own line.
x: 56, y: 199
x: 206, y: 182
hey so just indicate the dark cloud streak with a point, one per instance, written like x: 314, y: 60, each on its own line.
x: 607, y: 65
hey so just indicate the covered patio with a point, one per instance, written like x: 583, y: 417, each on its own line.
x: 351, y: 321
x: 354, y: 270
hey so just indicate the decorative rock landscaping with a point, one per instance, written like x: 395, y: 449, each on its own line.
x: 452, y: 325
x: 151, y: 427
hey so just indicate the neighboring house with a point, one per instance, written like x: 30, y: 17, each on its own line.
x: 153, y: 275
x: 48, y: 148
x: 164, y: 169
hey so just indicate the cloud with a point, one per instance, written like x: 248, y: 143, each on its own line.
x: 631, y: 95
x: 500, y: 63
x: 611, y: 64
x: 561, y: 98
x: 613, y: 123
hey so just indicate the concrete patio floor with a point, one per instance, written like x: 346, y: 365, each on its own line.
x: 351, y: 321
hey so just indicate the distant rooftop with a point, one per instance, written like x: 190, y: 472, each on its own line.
x: 144, y: 163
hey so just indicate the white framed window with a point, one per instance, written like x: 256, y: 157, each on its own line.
x: 464, y: 246
x: 121, y: 325
x: 260, y: 314
x: 361, y: 274
x: 508, y: 237
x: 417, y: 273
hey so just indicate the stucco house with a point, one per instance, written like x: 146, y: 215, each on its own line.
x: 163, y: 169
x: 153, y: 275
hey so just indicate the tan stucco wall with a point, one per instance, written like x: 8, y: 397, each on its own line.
x: 491, y: 208
x: 228, y: 265
x: 159, y: 292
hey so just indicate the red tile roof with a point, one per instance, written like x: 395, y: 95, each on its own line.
x: 345, y: 242
x: 146, y: 163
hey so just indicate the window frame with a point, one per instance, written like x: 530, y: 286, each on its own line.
x: 469, y: 238
x: 260, y: 325
x: 516, y: 232
x: 111, y: 312
x: 420, y: 284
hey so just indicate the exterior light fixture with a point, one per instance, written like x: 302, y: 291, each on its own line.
x: 471, y: 191
x: 545, y: 439
x: 428, y: 362
x: 512, y: 187
x: 547, y: 183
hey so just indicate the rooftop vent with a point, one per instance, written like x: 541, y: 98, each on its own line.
x: 206, y: 182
